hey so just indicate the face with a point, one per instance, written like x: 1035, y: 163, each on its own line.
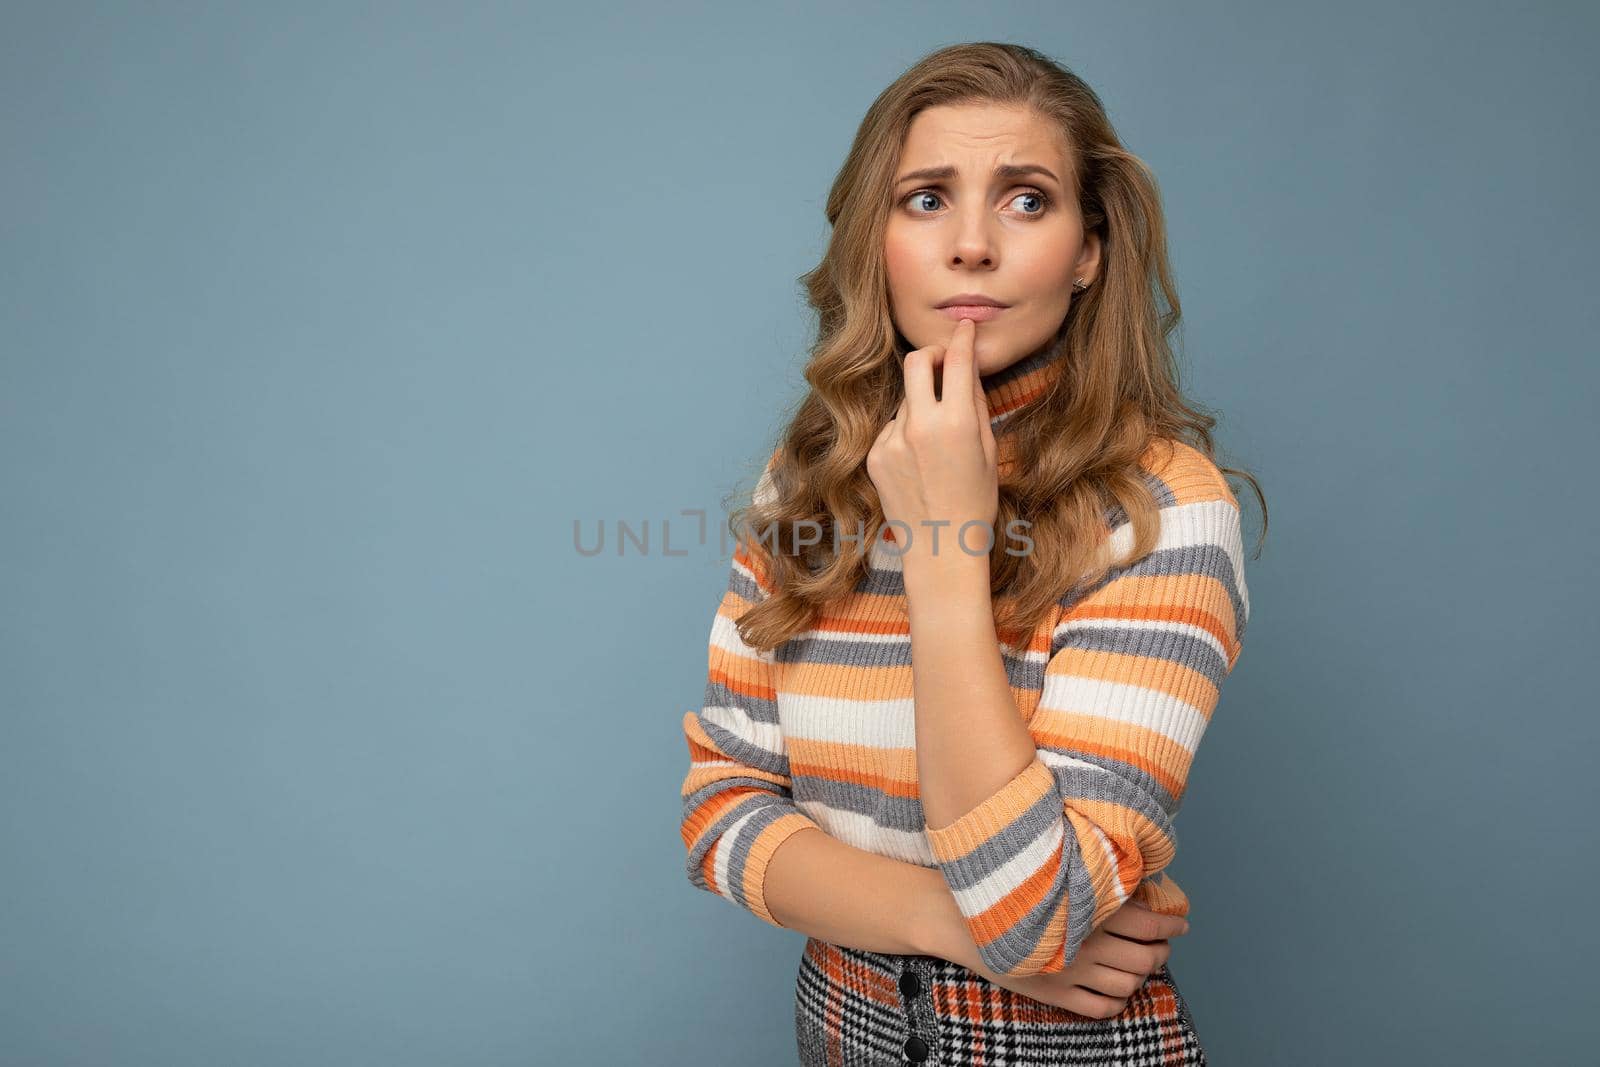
x: 1016, y: 238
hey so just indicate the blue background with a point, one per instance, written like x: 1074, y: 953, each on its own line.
x: 323, y: 324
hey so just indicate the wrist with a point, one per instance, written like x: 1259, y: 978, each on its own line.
x: 948, y: 575
x: 938, y: 928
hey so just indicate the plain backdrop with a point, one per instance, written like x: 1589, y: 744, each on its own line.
x: 321, y: 326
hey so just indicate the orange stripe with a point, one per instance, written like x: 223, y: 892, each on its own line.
x: 822, y: 680
x: 1149, y: 750
x: 892, y: 771
x: 742, y: 683
x: 1152, y: 598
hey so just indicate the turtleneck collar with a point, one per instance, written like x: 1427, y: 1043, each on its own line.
x: 1012, y: 388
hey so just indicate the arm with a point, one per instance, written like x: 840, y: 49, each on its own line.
x: 738, y: 803
x: 1043, y: 828
x: 745, y: 835
x: 847, y: 896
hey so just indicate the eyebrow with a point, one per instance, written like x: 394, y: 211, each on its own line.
x: 1004, y: 170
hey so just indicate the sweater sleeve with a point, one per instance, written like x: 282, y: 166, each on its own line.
x: 738, y: 806
x: 1134, y: 672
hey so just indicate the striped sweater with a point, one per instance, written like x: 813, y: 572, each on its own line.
x: 1116, y: 687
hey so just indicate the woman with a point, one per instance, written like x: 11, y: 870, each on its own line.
x: 983, y: 600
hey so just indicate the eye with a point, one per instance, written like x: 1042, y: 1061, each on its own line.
x: 1034, y: 194
x: 920, y: 196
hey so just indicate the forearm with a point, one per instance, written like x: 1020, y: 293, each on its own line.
x: 847, y: 896
x: 970, y: 739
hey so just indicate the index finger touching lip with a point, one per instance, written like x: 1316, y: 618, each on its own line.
x: 958, y: 363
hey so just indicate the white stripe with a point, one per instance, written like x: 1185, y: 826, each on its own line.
x: 1175, y: 719
x: 725, y: 636
x: 1111, y: 859
x: 1205, y: 522
x: 1052, y: 758
x: 860, y: 831
x: 854, y: 637
x: 767, y: 736
x: 1013, y: 872
x: 884, y: 558
x: 885, y: 724
x: 724, y: 851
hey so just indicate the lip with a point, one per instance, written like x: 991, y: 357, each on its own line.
x: 975, y: 312
x: 970, y: 300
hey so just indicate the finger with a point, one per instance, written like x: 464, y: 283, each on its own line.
x: 980, y: 404
x: 958, y: 374
x: 917, y: 369
x: 1114, y: 982
x: 1133, y: 919
x: 1138, y: 923
x: 985, y: 430
x: 1134, y: 957
x: 1094, y: 1005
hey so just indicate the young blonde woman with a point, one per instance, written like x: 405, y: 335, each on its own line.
x: 983, y: 602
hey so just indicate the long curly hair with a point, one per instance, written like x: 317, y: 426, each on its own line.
x: 1070, y: 456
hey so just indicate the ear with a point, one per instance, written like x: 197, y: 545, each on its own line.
x: 1088, y: 265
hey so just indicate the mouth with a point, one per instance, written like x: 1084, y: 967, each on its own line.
x: 975, y: 312
x: 970, y: 300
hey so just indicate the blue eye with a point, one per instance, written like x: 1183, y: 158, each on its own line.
x: 1044, y: 201
x: 1033, y: 194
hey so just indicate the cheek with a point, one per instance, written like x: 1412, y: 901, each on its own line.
x: 895, y: 264
x: 1048, y: 266
x: 900, y: 261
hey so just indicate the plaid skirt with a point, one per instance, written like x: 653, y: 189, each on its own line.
x: 865, y: 1009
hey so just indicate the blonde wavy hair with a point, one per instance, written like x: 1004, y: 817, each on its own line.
x: 1074, y: 451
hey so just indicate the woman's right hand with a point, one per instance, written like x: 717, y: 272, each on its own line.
x: 1111, y: 965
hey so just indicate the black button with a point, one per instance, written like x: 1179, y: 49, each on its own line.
x: 916, y: 1049
x: 909, y: 984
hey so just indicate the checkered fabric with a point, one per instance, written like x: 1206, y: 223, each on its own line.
x: 866, y: 1009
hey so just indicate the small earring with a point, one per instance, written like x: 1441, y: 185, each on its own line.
x: 1078, y: 285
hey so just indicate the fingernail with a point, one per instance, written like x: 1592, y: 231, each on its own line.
x: 1185, y: 927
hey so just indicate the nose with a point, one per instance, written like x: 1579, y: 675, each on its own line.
x: 974, y: 244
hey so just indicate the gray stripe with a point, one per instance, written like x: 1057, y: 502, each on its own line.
x: 882, y: 581
x: 1021, y: 672
x: 1118, y: 782
x: 769, y: 813
x: 1207, y: 560
x: 745, y: 586
x: 760, y: 708
x: 763, y: 798
x: 1071, y: 882
x: 1116, y: 514
x: 1174, y: 646
x: 1040, y: 818
x: 885, y: 809
x: 1159, y: 489
x: 855, y: 652
x: 737, y: 748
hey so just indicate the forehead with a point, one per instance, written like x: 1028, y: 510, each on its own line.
x: 980, y: 132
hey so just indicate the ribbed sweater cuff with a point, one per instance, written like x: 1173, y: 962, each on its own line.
x: 761, y: 850
x: 961, y: 838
